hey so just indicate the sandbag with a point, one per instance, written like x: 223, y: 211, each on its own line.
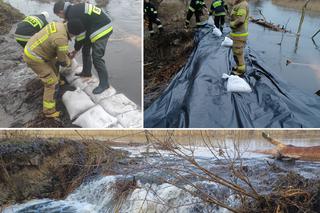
x: 217, y: 32
x: 117, y: 104
x: 98, y: 97
x: 236, y: 84
x: 96, y: 117
x: 80, y: 83
x: 227, y: 42
x: 211, y: 21
x: 76, y: 102
x: 131, y: 119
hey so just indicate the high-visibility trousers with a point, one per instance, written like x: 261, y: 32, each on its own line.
x: 49, y: 75
x: 238, y: 54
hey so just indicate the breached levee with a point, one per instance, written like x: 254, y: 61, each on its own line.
x: 106, y: 110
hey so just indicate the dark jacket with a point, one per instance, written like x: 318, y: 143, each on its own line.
x: 197, y: 5
x: 218, y: 8
x: 96, y: 22
x: 150, y: 11
x: 29, y: 26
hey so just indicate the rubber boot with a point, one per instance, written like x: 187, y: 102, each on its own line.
x: 53, y: 115
x: 103, y: 84
x: 87, y: 62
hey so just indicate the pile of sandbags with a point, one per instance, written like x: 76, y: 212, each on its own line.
x: 105, y: 110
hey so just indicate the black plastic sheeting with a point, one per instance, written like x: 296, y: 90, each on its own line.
x: 197, y: 96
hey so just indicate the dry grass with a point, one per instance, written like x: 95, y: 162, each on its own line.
x: 138, y: 136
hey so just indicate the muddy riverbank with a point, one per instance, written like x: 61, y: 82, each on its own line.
x: 153, y: 178
x: 51, y: 168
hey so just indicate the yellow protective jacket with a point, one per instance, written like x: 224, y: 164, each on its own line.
x: 49, y: 43
x: 239, y: 20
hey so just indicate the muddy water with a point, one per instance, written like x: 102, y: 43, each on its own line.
x: 152, y: 169
x: 265, y: 42
x: 123, y: 54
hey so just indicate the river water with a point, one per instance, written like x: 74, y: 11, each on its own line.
x: 275, y: 56
x: 162, y: 179
x: 123, y: 54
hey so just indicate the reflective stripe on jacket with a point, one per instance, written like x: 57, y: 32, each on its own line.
x: 240, y: 19
x: 29, y: 26
x: 217, y: 8
x: 50, y: 43
x: 96, y: 22
x: 197, y: 5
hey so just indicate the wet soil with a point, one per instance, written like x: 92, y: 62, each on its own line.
x: 51, y: 168
x: 8, y: 16
x: 166, y: 53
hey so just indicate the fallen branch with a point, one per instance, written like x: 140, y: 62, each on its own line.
x: 270, y: 25
x: 289, y: 151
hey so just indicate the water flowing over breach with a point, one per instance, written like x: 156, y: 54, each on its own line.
x: 197, y: 96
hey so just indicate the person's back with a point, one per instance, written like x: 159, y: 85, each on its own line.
x: 45, y: 43
x: 92, y: 17
x: 29, y: 26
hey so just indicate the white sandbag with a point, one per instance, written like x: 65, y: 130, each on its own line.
x: 131, y: 119
x: 76, y: 102
x: 211, y: 21
x: 70, y: 76
x: 236, y: 84
x: 96, y: 117
x: 68, y: 70
x: 80, y: 83
x: 98, y: 97
x: 117, y: 104
x: 228, y: 42
x: 216, y: 32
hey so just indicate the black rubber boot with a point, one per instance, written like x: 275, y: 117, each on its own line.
x: 103, y: 85
x: 86, y: 60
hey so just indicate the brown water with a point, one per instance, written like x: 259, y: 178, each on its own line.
x: 123, y: 54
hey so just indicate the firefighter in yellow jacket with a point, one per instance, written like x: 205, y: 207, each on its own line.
x: 44, y: 53
x: 239, y: 26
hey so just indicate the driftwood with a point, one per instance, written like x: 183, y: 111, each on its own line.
x: 270, y: 25
x: 289, y: 151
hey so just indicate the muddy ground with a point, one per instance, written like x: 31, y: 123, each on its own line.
x: 51, y: 168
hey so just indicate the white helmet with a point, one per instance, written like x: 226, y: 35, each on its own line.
x: 46, y: 14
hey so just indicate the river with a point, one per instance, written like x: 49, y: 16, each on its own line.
x: 160, y: 180
x: 266, y: 42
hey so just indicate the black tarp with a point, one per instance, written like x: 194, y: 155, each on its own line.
x: 197, y: 96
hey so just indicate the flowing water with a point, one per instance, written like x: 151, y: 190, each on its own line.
x: 153, y: 177
x: 123, y: 54
x: 266, y: 42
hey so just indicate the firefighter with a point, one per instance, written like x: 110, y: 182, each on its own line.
x: 29, y: 26
x: 195, y: 7
x: 151, y: 15
x: 218, y: 10
x: 239, y: 34
x: 43, y: 53
x: 97, y: 30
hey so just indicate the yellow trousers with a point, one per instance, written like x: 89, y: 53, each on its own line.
x: 49, y: 75
x: 238, y: 54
